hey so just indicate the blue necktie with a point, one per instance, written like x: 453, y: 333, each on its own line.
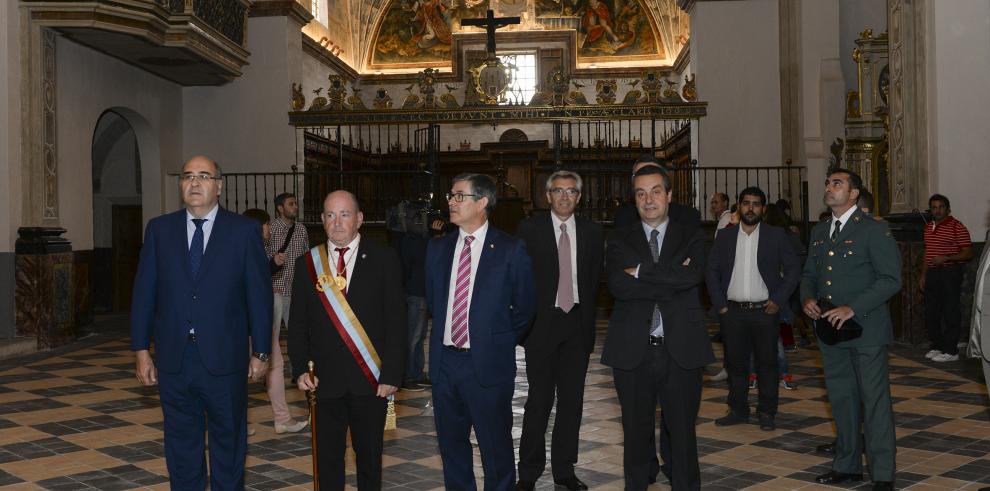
x: 196, y: 248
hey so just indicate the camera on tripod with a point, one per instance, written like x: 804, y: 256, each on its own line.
x: 412, y: 217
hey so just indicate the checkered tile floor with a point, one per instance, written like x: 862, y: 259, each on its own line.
x: 75, y: 418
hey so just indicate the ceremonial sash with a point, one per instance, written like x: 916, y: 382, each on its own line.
x: 344, y: 320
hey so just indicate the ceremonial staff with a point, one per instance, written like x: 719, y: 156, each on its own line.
x: 311, y: 395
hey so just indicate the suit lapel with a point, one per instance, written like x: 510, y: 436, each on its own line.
x: 217, y: 235
x: 671, y: 242
x: 580, y: 235
x: 487, y: 257
x: 181, y: 237
x: 549, y: 237
x: 358, y: 273
x: 446, y: 257
x: 640, y: 242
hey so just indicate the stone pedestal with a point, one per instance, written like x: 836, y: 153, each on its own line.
x: 44, y: 292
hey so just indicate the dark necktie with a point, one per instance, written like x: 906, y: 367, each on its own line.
x: 342, y: 266
x: 656, y: 327
x: 835, y: 231
x: 196, y: 247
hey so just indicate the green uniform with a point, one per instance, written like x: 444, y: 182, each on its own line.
x: 861, y: 268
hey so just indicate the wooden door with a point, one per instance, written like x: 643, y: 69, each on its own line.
x: 125, y: 251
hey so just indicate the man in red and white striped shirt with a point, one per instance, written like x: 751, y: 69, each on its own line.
x: 947, y: 248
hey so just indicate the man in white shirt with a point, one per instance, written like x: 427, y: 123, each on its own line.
x: 752, y: 271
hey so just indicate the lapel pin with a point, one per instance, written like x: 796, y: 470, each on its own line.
x: 363, y: 256
x: 491, y: 246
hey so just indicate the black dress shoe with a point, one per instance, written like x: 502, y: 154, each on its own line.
x: 525, y: 485
x: 730, y: 419
x: 833, y: 477
x: 766, y: 422
x: 883, y: 486
x: 828, y: 448
x: 572, y: 483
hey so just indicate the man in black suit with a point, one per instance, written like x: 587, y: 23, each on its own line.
x: 657, y: 344
x: 625, y: 216
x: 752, y: 271
x: 349, y: 318
x: 567, y: 262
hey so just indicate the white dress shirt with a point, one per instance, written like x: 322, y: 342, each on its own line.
x: 349, y: 258
x: 723, y: 220
x: 844, y: 219
x: 746, y: 284
x: 210, y: 217
x: 572, y: 238
x: 476, y: 248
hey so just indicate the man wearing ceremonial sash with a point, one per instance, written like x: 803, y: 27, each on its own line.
x: 349, y: 318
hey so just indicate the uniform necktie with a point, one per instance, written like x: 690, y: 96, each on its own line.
x: 459, y: 315
x: 656, y: 328
x: 835, y: 231
x: 196, y: 246
x: 342, y: 266
x: 565, y: 282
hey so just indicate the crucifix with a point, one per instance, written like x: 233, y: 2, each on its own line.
x: 490, y: 23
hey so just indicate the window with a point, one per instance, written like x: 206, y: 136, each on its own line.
x: 319, y: 11
x: 523, y: 67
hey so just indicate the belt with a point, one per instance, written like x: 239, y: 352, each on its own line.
x: 656, y: 340
x: 748, y: 305
x: 455, y: 349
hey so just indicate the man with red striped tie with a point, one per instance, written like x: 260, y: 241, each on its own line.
x: 479, y: 286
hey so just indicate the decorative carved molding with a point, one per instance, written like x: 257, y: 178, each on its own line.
x: 500, y: 114
x: 48, y: 126
x: 281, y: 8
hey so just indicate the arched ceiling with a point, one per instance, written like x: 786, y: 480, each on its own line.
x: 385, y: 31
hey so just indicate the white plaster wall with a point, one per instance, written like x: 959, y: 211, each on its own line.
x: 244, y: 125
x: 855, y: 16
x: 959, y: 163
x: 10, y: 125
x: 735, y: 54
x: 821, y: 91
x: 89, y: 83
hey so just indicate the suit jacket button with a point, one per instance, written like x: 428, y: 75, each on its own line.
x: 831, y: 253
x: 828, y: 282
x: 828, y: 297
x: 828, y: 268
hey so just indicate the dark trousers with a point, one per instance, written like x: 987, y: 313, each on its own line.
x: 745, y: 333
x: 943, y: 312
x: 460, y: 403
x: 416, y: 320
x: 365, y: 416
x: 190, y: 399
x: 664, y: 437
x: 659, y: 379
x: 560, y: 370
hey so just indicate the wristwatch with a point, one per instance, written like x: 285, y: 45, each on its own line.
x: 261, y: 356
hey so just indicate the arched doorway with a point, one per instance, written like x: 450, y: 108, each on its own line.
x: 117, y: 211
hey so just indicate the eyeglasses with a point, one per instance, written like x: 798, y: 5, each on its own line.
x: 190, y: 178
x: 459, y: 197
x: 567, y: 191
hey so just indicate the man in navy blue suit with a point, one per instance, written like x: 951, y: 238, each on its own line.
x: 479, y: 286
x: 202, y: 288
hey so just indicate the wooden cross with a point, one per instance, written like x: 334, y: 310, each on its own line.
x: 490, y: 23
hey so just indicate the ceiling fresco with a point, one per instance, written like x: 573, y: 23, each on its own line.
x: 419, y: 33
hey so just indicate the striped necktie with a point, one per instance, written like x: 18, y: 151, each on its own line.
x: 459, y: 315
